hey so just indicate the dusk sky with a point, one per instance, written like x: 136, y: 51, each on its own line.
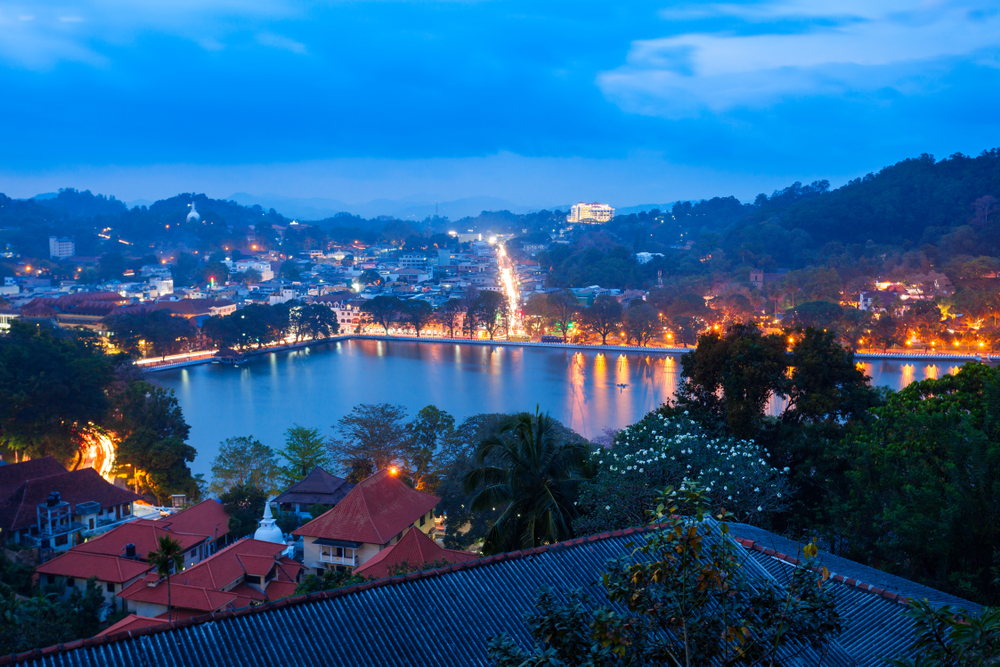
x: 540, y: 103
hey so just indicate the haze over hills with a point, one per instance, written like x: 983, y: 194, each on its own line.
x: 416, y: 207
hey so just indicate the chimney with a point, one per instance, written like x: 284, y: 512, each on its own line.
x: 53, y: 499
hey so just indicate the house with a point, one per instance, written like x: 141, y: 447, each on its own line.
x: 317, y: 488
x: 414, y: 551
x: 244, y: 573
x: 74, y: 568
x: 370, y: 518
x: 198, y: 529
x: 51, y: 511
x: 444, y: 617
x: 14, y: 475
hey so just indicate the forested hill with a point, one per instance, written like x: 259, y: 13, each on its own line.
x: 916, y: 200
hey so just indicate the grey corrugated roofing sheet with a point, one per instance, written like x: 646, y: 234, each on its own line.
x: 437, y: 618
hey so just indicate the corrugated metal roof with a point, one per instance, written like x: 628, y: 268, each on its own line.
x: 442, y: 617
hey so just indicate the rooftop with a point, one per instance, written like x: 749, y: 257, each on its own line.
x: 388, y: 622
x: 375, y: 511
x: 414, y: 550
x: 317, y: 488
x: 77, y: 486
x: 14, y: 475
x: 83, y: 565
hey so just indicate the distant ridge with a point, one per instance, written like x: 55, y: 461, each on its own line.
x: 411, y: 208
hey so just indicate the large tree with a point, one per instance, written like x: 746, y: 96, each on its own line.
x: 533, y: 476
x: 449, y: 314
x: 153, y: 434
x: 418, y: 314
x: 729, y: 378
x: 429, y: 433
x: 603, y: 317
x: 382, y: 310
x: 924, y: 480
x: 641, y: 323
x: 244, y: 460
x: 51, y: 389
x: 491, y: 310
x: 304, y: 450
x: 561, y: 308
x: 372, y: 436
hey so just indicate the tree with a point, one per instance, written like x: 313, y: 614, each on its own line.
x: 886, y: 332
x: 50, y: 390
x: 244, y: 503
x: 561, y: 308
x: 491, y: 310
x: 430, y: 431
x: 370, y: 437
x: 685, y: 329
x: 315, y: 320
x: 666, y: 448
x: 305, y: 449
x: 418, y: 313
x: 730, y: 378
x: 246, y: 461
x: 640, y: 323
x: 370, y: 277
x: 153, y: 432
x: 290, y: 270
x: 449, y: 313
x: 169, y: 557
x: 603, y: 317
x: 682, y: 598
x: 924, y: 480
x: 949, y: 637
x: 383, y: 310
x: 533, y: 476
x: 328, y: 580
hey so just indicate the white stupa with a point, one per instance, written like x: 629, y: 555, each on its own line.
x: 193, y: 214
x: 269, y: 531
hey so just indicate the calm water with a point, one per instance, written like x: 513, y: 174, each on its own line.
x: 316, y: 386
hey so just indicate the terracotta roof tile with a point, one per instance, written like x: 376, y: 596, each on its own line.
x: 82, y: 565
x: 130, y: 623
x: 415, y: 549
x: 375, y: 511
x: 318, y: 487
x: 206, y: 518
x: 143, y: 533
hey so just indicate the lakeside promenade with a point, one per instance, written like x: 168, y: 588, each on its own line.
x: 205, y: 356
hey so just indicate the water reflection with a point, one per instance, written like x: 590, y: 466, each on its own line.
x: 588, y: 390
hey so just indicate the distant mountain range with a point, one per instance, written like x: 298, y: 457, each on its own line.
x: 410, y: 208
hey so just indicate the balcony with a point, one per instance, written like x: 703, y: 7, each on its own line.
x: 349, y: 560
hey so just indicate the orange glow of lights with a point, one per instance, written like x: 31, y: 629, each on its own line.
x: 394, y: 470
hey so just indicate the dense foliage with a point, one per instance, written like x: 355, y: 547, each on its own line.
x: 667, y: 448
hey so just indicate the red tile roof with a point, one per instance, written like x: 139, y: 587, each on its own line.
x: 77, y: 486
x: 129, y: 623
x: 415, y: 549
x: 206, y: 518
x: 375, y: 511
x: 143, y: 533
x: 82, y: 565
x: 154, y: 591
x: 248, y: 556
x: 14, y: 475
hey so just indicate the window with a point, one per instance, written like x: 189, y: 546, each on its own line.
x: 91, y: 523
x: 51, y: 578
x: 111, y: 587
x: 62, y: 539
x: 423, y: 519
x: 70, y: 581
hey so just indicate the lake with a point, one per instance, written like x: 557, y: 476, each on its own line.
x: 316, y: 386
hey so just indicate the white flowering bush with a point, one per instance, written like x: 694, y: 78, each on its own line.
x: 667, y: 448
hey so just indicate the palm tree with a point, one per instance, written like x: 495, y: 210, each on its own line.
x: 529, y: 471
x: 168, y: 556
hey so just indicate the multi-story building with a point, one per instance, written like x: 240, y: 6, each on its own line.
x: 372, y: 516
x: 61, y: 247
x: 594, y: 213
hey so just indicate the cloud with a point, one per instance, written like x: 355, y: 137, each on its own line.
x: 858, y: 47
x: 279, y: 42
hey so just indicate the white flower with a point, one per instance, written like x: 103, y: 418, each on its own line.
x: 759, y: 508
x: 607, y: 507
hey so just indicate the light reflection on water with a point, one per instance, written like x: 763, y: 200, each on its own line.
x: 316, y: 386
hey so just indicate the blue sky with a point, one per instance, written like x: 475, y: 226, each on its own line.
x: 537, y: 102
